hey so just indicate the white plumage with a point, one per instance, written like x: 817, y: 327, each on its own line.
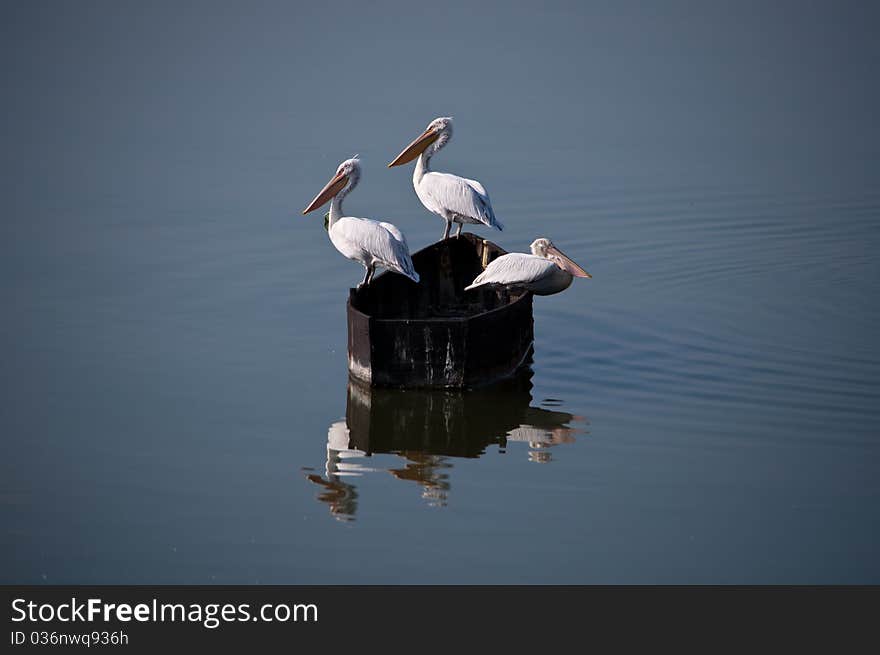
x: 371, y: 243
x: 545, y: 272
x: 520, y: 269
x: 455, y: 199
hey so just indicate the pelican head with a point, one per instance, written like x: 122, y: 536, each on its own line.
x: 543, y: 247
x: 435, y: 136
x: 344, y: 180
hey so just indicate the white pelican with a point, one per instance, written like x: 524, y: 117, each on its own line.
x: 369, y: 242
x: 546, y: 271
x: 454, y: 199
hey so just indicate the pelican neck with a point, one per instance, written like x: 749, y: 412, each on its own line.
x: 336, y: 203
x: 423, y: 165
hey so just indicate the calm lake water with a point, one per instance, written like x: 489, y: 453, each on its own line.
x: 175, y: 390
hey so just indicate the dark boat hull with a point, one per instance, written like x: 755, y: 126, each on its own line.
x: 434, y: 334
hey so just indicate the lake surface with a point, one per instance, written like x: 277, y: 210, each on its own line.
x: 176, y: 404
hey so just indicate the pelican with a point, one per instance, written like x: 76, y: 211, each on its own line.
x: 454, y: 199
x: 369, y: 242
x: 545, y: 272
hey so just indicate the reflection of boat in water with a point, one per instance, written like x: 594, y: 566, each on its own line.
x: 428, y: 428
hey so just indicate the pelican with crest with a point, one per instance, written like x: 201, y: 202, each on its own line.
x: 545, y: 272
x: 454, y: 199
x: 372, y: 243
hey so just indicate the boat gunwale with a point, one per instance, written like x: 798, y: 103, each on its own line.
x: 353, y: 291
x: 437, y: 319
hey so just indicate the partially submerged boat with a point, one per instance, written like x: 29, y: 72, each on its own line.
x: 434, y: 334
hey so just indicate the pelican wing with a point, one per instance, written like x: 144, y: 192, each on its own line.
x: 513, y: 269
x: 396, y: 233
x: 382, y: 242
x: 460, y: 196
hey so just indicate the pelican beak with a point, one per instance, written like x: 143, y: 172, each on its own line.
x: 415, y: 148
x: 565, y: 263
x: 330, y: 189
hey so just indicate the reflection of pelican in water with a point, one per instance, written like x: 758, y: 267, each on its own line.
x: 541, y: 438
x: 339, y: 495
x: 428, y: 428
x: 428, y: 471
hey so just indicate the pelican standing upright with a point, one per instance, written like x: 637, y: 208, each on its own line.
x: 372, y: 243
x: 454, y: 199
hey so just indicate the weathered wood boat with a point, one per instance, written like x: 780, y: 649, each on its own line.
x: 434, y: 334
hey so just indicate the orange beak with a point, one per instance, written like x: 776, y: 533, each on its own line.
x: 565, y: 263
x: 330, y: 189
x: 415, y: 148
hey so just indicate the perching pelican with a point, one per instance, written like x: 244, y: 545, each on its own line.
x: 369, y: 242
x: 546, y: 271
x: 454, y: 199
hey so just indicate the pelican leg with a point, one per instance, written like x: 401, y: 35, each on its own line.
x: 446, y: 232
x: 369, y: 277
x: 366, y: 279
x: 458, y: 233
